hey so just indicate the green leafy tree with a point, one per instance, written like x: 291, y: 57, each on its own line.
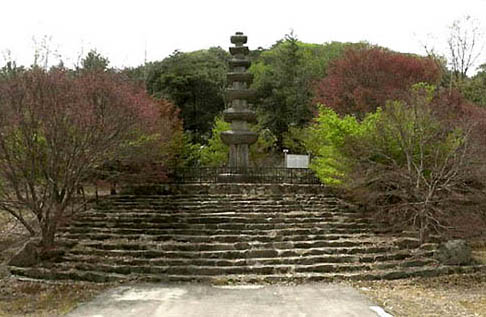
x: 194, y: 82
x: 283, y: 89
x: 326, y: 140
x: 94, y: 61
x: 216, y: 153
x: 474, y: 89
x: 283, y: 79
x: 185, y: 152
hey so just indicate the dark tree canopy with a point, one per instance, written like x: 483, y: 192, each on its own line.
x: 195, y: 83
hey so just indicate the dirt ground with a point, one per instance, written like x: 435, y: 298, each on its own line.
x: 29, y: 298
x: 453, y: 295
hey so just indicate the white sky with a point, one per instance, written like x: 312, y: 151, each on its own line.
x: 123, y: 30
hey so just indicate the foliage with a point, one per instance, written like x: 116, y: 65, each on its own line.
x: 186, y: 153
x: 94, y: 61
x: 216, y: 153
x: 404, y: 160
x: 57, y: 127
x: 195, y: 83
x: 327, y: 138
x: 365, y: 78
x: 283, y: 79
x: 10, y: 69
x: 474, y: 89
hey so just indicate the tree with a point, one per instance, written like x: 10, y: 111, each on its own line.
x: 56, y: 128
x: 412, y: 165
x: 474, y: 89
x: 465, y: 45
x: 195, y: 82
x: 365, y: 78
x: 94, y: 61
x: 283, y: 78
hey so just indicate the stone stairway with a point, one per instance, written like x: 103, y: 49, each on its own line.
x: 231, y: 238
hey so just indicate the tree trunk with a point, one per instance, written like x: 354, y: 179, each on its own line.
x: 424, y: 230
x: 48, y: 234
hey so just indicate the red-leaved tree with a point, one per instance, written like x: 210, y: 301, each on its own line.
x: 365, y: 78
x: 56, y: 127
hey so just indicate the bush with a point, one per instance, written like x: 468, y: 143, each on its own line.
x: 407, y: 164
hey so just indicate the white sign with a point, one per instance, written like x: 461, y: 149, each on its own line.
x: 296, y: 161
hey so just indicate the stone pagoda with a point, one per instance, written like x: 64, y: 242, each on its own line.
x: 239, y: 138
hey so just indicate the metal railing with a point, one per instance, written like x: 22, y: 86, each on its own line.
x: 244, y: 175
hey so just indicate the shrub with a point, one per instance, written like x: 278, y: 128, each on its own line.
x: 408, y: 164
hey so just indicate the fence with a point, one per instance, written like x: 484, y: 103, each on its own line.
x: 244, y: 175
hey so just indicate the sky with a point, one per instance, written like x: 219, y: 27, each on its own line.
x: 130, y: 32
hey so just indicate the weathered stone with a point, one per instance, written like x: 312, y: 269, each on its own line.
x: 239, y: 39
x: 239, y: 50
x: 454, y: 252
x: 231, y: 114
x: 27, y: 256
x: 239, y: 137
x: 407, y: 243
x: 239, y: 77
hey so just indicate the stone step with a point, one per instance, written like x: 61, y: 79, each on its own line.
x: 219, y: 236
x: 42, y: 273
x: 230, y: 225
x: 197, y: 270
x: 247, y: 214
x: 413, y: 259
x: 205, y: 222
x: 221, y: 208
x: 230, y: 197
x: 196, y: 237
x: 221, y: 246
x: 233, y: 198
x: 390, y: 274
x: 189, y: 230
x: 190, y: 252
x: 227, y: 197
x: 243, y: 212
x: 220, y: 270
